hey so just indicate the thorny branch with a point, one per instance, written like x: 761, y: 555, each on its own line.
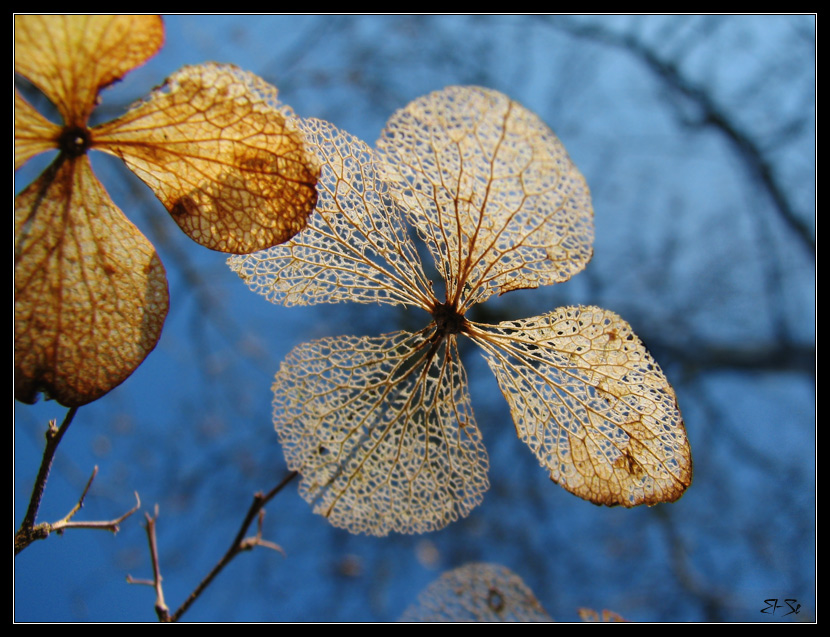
x: 29, y: 531
x: 240, y: 543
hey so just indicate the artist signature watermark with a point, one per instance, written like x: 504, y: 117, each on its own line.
x: 789, y: 607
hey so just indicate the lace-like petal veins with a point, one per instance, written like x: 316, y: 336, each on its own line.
x: 90, y: 291
x: 33, y: 134
x: 491, y: 190
x: 592, y: 404
x: 382, y: 431
x: 70, y: 58
x: 356, y: 247
x: 477, y: 593
x: 222, y: 155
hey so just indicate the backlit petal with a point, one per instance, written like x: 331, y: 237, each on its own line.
x: 33, y: 134
x: 223, y: 156
x: 491, y: 190
x: 382, y: 431
x: 356, y: 247
x: 90, y: 291
x: 592, y: 404
x: 70, y: 58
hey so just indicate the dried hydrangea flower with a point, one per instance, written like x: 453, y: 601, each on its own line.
x: 213, y: 143
x: 381, y: 428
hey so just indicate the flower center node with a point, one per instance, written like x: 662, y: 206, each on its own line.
x: 74, y: 141
x: 448, y: 319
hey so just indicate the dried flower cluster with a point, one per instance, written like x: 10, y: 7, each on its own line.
x: 382, y: 428
x: 213, y: 143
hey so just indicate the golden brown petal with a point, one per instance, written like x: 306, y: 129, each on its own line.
x: 90, y: 290
x: 33, y: 134
x: 222, y: 155
x: 72, y: 57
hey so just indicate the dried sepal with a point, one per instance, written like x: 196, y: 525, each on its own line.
x: 477, y: 592
x: 356, y: 247
x: 382, y: 432
x: 222, y: 155
x: 491, y: 190
x: 90, y: 290
x: 592, y: 616
x: 33, y: 133
x: 70, y: 58
x: 592, y: 404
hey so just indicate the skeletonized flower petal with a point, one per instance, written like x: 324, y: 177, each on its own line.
x: 90, y: 290
x: 382, y: 431
x: 222, y: 155
x: 491, y: 190
x: 356, y: 247
x: 592, y: 404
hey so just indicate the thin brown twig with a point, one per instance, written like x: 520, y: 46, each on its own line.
x: 240, y: 543
x: 161, y: 608
x: 107, y: 525
x: 29, y: 532
x: 53, y: 439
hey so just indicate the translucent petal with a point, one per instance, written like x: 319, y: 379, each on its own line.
x: 33, y: 134
x: 90, y: 291
x: 72, y: 57
x: 356, y: 247
x: 382, y: 431
x: 592, y: 404
x: 491, y: 190
x: 222, y: 155
x: 477, y: 593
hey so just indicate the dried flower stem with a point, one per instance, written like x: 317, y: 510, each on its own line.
x: 240, y: 543
x: 53, y: 439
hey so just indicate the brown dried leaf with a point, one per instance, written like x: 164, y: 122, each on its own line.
x: 90, y: 291
x: 491, y: 190
x: 33, y: 134
x: 222, y: 155
x: 356, y: 247
x: 382, y: 431
x: 592, y: 404
x: 70, y: 58
x: 477, y: 593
